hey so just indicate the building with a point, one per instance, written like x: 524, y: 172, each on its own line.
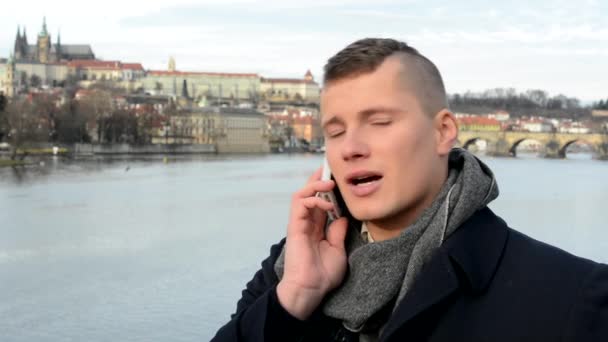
x: 478, y: 123
x: 44, y: 51
x: 599, y: 113
x: 231, y: 130
x: 38, y: 74
x: 8, y: 82
x: 43, y: 63
x: 93, y: 70
x: 536, y: 125
x: 500, y: 115
x: 213, y: 86
x: 573, y: 127
x: 291, y: 89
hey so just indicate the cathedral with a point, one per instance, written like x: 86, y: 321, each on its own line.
x: 44, y: 51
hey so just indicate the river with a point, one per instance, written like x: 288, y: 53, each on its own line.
x: 143, y: 250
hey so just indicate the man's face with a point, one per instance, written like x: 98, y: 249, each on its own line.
x: 381, y: 146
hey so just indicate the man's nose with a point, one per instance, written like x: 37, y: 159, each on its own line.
x: 354, y: 146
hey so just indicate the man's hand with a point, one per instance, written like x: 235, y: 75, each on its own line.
x: 314, y: 263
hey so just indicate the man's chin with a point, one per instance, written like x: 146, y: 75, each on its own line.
x: 367, y: 214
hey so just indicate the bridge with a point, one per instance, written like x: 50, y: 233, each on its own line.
x: 504, y: 143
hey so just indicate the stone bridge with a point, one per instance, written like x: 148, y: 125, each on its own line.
x: 504, y: 143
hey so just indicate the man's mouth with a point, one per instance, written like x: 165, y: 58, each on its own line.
x: 364, y: 180
x: 364, y: 183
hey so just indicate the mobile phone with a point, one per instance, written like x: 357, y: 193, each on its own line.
x: 330, y: 196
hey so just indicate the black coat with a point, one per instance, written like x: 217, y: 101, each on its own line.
x: 487, y: 282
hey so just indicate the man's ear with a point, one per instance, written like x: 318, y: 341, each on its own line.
x: 446, y: 131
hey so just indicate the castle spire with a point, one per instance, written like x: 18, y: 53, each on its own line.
x: 24, y: 36
x: 18, y: 43
x: 44, y: 31
x: 11, y: 60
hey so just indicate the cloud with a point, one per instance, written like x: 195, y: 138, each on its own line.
x: 577, y: 34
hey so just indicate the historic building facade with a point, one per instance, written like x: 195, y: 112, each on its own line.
x: 290, y: 89
x: 231, y: 130
x: 44, y: 51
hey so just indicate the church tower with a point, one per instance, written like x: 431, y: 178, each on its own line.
x: 10, y: 81
x: 58, y: 54
x: 17, y: 43
x: 20, y: 48
x: 308, y: 76
x: 44, y: 44
x: 171, y: 66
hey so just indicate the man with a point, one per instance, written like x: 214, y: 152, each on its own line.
x: 419, y: 256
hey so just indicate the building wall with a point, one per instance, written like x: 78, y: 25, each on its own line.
x: 230, y: 132
x: 243, y: 134
x: 308, y: 90
x: 480, y: 127
x: 96, y: 74
x: 3, y: 81
x: 537, y: 127
x: 237, y: 87
x: 48, y: 73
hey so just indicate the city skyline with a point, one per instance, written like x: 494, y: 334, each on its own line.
x: 555, y: 46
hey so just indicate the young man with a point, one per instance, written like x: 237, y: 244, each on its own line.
x: 419, y: 257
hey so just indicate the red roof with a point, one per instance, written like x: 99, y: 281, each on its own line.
x: 478, y: 120
x: 195, y: 73
x: 93, y: 64
x: 133, y: 66
x: 113, y: 65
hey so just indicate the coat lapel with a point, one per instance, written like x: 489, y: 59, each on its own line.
x: 476, y: 248
x: 437, y: 281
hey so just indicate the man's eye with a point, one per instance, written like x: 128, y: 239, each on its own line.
x: 336, y: 133
x: 381, y: 122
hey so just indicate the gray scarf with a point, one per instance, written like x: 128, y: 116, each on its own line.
x: 381, y: 273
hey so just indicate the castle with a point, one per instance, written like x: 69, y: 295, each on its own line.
x: 51, y: 64
x: 44, y: 51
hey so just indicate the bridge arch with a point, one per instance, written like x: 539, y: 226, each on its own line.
x: 516, y: 143
x: 473, y: 142
x: 564, y: 149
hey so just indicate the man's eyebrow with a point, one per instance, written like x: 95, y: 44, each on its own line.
x: 374, y: 110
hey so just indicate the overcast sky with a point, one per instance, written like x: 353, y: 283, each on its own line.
x: 558, y: 46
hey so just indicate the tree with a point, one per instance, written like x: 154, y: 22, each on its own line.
x: 96, y: 106
x: 70, y: 125
x: 35, y: 81
x: 120, y: 127
x: 23, y: 124
x: 4, y: 127
x: 185, y: 89
x: 3, y: 102
x: 158, y: 87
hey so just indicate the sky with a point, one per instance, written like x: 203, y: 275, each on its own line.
x: 555, y: 45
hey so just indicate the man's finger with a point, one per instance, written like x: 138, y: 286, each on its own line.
x: 317, y: 202
x: 336, y: 232
x: 312, y: 188
x: 315, y: 176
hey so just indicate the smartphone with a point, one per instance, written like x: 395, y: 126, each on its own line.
x: 330, y: 196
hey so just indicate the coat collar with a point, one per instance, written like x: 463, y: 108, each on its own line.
x: 468, y: 260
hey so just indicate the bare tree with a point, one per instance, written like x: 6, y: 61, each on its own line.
x: 35, y: 81
x: 95, y: 107
x: 23, y: 123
